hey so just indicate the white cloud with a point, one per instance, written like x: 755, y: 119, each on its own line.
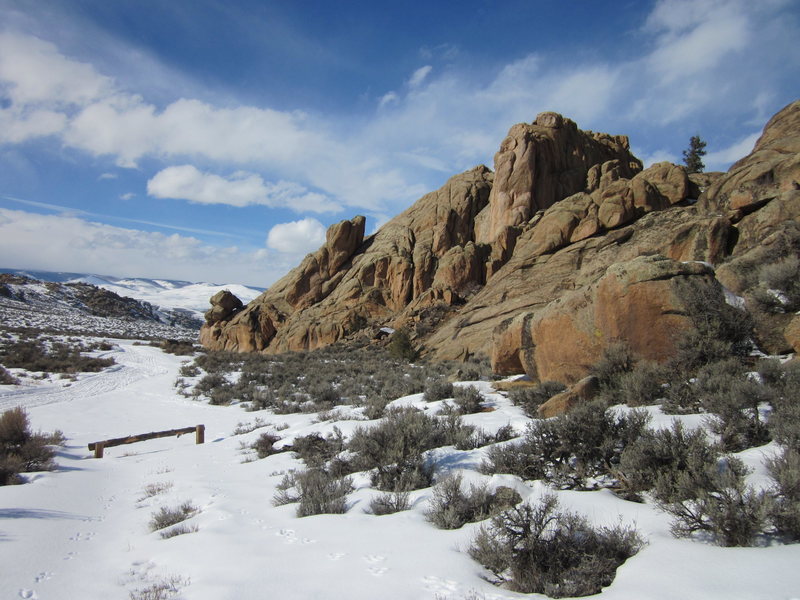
x: 698, y: 42
x: 240, y: 189
x: 128, y: 196
x: 388, y: 98
x: 76, y: 244
x: 418, y: 76
x: 108, y: 176
x: 699, y: 62
x: 37, y: 72
x: 20, y: 125
x: 650, y: 158
x: 720, y: 159
x: 296, y: 237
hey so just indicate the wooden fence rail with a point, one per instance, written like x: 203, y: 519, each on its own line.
x: 98, y: 447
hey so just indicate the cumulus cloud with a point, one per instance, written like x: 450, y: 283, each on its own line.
x: 37, y: 72
x: 296, y: 237
x: 240, y: 189
x: 73, y: 243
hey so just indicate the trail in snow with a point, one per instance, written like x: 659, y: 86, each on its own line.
x: 134, y: 363
x: 82, y: 531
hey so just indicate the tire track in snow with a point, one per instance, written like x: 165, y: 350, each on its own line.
x: 134, y: 363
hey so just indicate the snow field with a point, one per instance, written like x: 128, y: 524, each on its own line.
x: 82, y: 531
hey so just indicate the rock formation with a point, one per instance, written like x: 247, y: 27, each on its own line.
x: 566, y: 247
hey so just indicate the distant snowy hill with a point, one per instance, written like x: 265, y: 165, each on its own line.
x: 162, y: 293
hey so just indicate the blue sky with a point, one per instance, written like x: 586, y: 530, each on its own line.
x: 216, y: 141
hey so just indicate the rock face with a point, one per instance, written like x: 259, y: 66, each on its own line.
x: 426, y: 255
x: 540, y: 163
x: 567, y: 246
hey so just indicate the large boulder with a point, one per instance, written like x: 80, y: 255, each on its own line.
x: 223, y: 306
x: 639, y: 302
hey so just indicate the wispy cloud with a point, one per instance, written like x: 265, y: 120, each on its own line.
x: 725, y: 156
x: 70, y: 211
x: 101, y: 248
x: 418, y: 76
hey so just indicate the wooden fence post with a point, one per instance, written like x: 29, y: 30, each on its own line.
x: 98, y: 450
x: 200, y: 434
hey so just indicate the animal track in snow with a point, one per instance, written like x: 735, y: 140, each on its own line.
x: 374, y: 558
x: 43, y: 576
x: 26, y: 593
x: 337, y: 555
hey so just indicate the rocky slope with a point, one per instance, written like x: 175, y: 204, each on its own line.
x: 567, y: 246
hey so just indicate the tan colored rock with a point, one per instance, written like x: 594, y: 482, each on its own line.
x: 792, y: 334
x: 669, y: 182
x: 460, y: 266
x: 640, y: 303
x: 540, y: 163
x: 544, y: 234
x: 223, y: 306
x: 616, y: 205
x: 584, y: 390
x: 509, y: 341
x: 772, y: 168
x: 706, y: 239
x: 350, y: 282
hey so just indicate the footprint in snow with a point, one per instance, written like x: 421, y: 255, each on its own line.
x: 43, y: 576
x: 377, y: 571
x: 288, y: 535
x: 70, y: 555
x: 337, y: 555
x: 25, y: 593
x: 374, y: 558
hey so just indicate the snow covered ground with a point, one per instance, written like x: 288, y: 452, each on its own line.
x: 192, y: 297
x: 82, y: 531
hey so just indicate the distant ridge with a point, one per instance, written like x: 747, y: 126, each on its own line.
x: 167, y: 294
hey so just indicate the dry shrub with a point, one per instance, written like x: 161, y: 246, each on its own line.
x: 264, y: 444
x: 451, y: 507
x: 316, y: 490
x: 717, y: 502
x: 658, y: 458
x: 540, y: 549
x: 395, y: 446
x: 570, y: 449
x: 388, y: 503
x: 785, y: 508
x: 22, y: 451
x: 168, y: 516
